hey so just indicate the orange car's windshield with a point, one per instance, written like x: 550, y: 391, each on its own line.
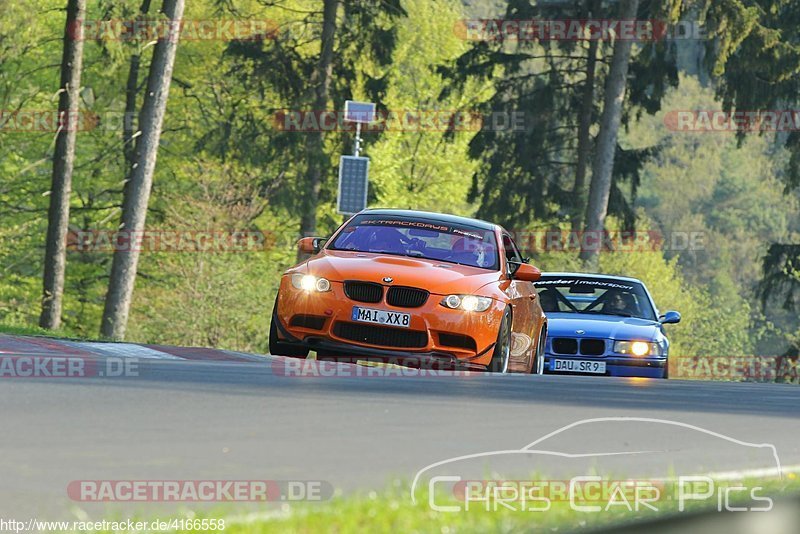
x: 431, y: 240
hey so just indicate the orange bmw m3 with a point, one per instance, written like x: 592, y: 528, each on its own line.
x: 415, y: 288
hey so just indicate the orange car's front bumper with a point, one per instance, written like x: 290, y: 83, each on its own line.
x: 436, y: 334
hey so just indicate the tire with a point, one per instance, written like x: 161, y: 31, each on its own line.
x: 666, y: 370
x: 280, y: 348
x: 538, y: 358
x: 502, y: 348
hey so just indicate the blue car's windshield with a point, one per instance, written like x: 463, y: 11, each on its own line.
x: 427, y: 239
x: 586, y: 295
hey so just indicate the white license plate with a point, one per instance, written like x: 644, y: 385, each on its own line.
x: 578, y: 366
x: 388, y: 318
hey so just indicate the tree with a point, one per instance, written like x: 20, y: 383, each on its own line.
x: 424, y: 169
x: 131, y: 91
x: 320, y: 87
x: 781, y: 276
x: 603, y: 166
x: 754, y: 54
x: 63, y: 163
x: 539, y: 172
x: 523, y: 172
x: 140, y: 179
x: 584, y: 127
x: 355, y: 52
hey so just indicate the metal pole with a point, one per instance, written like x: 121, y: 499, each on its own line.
x: 358, y: 139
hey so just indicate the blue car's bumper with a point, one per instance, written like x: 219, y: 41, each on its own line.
x: 615, y: 366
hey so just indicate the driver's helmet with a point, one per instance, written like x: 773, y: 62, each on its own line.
x: 620, y: 301
x: 386, y: 240
x: 548, y: 300
x: 473, y: 251
x: 466, y: 244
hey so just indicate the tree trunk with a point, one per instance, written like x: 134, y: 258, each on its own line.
x: 131, y: 90
x: 603, y: 167
x: 584, y: 127
x: 140, y: 179
x: 55, y: 256
x: 320, y: 83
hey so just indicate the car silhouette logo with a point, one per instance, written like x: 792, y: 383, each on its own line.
x: 388, y: 279
x: 580, y: 332
x: 544, y: 450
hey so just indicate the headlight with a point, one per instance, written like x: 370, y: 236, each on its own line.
x: 308, y: 282
x: 466, y: 302
x: 637, y: 348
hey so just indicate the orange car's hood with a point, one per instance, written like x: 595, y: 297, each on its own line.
x: 436, y: 276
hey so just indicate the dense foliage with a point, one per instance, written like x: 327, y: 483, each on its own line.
x: 225, y: 166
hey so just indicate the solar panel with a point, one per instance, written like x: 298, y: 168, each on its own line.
x: 353, y: 183
x: 362, y: 112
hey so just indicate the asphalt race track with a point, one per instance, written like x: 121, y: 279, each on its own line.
x: 232, y: 416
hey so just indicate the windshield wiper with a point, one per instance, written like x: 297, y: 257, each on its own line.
x: 409, y: 254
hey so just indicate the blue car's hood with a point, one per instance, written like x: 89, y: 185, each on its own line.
x: 603, y: 326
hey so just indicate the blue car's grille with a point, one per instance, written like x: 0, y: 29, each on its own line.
x: 593, y: 347
x: 572, y: 346
x: 565, y: 345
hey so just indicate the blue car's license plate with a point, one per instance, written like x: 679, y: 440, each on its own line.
x: 578, y: 366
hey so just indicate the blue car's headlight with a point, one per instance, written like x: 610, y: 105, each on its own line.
x: 637, y: 348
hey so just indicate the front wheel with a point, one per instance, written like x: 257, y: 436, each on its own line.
x: 279, y: 348
x: 538, y: 358
x: 502, y: 348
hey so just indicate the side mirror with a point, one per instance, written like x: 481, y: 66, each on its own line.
x: 671, y: 317
x: 527, y: 273
x: 310, y: 245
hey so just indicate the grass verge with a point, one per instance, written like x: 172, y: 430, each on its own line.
x: 393, y: 511
x: 27, y: 330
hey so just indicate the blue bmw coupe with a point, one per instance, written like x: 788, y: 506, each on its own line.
x: 603, y: 325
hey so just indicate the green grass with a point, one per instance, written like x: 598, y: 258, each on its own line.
x: 59, y: 333
x: 393, y: 511
x: 27, y: 330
